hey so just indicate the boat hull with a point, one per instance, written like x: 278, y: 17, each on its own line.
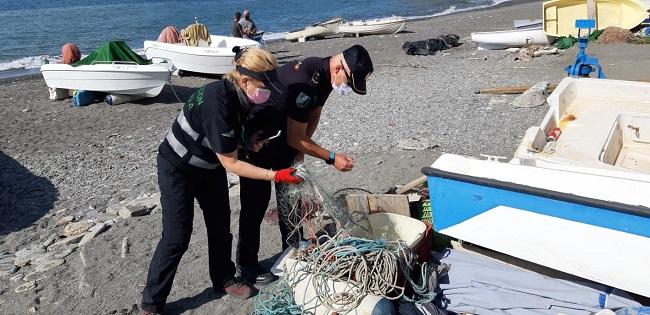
x: 511, y: 38
x: 560, y: 15
x: 215, y: 59
x: 319, y: 30
x: 373, y: 27
x: 128, y: 79
x: 572, y: 221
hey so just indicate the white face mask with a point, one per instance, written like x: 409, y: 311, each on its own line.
x: 343, y: 89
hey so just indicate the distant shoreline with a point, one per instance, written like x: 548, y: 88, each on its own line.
x: 23, y: 73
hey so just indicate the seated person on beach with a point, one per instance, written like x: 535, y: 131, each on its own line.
x: 248, y: 26
x: 236, y: 30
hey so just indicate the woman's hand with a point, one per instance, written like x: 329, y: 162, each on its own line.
x: 287, y: 176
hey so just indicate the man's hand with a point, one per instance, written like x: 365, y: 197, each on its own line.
x: 343, y: 162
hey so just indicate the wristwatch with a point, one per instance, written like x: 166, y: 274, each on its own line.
x: 330, y: 159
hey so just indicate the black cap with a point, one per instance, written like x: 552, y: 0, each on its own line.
x: 360, y: 65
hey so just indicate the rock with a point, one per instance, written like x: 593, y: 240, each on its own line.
x: 65, y: 252
x: 94, y: 231
x: 415, y: 144
x: 63, y: 243
x: 17, y: 277
x: 49, y: 264
x: 34, y: 276
x: 133, y: 211
x: 65, y: 220
x: 533, y: 97
x: 26, y: 255
x: 32, y: 309
x: 103, y: 217
x: 114, y: 209
x: 51, y: 239
x: 61, y: 210
x: 7, y: 269
x: 75, y: 228
x: 151, y: 201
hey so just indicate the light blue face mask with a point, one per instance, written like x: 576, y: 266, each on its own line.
x: 343, y: 89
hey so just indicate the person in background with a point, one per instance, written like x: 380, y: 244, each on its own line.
x: 309, y: 83
x: 204, y: 142
x: 236, y: 30
x: 248, y: 25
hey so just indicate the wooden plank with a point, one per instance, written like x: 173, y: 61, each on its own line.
x: 397, y: 204
x: 592, y: 12
x: 412, y: 184
x: 357, y: 203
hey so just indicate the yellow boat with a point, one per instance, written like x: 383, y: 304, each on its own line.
x: 560, y: 15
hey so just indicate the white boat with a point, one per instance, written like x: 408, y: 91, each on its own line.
x: 116, y: 77
x: 527, y: 24
x: 389, y: 25
x: 574, y: 197
x: 217, y: 58
x: 510, y: 38
x: 318, y: 30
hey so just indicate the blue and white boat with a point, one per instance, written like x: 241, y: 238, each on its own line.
x: 576, y: 200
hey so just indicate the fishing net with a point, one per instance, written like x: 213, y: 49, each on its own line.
x: 308, y: 211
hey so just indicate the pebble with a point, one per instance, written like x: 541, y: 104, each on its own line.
x: 92, y: 233
x: 114, y: 209
x: 413, y: 143
x: 129, y: 211
x: 32, y: 309
x: 75, y: 228
x: 17, y: 277
x: 7, y: 269
x: 51, y: 239
x: 63, y: 243
x: 47, y: 265
x: 65, y: 220
x: 34, y: 276
x: 103, y: 217
x: 61, y: 210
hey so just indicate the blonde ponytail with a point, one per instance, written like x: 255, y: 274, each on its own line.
x: 254, y: 59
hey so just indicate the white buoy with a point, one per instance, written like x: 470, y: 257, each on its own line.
x: 116, y: 99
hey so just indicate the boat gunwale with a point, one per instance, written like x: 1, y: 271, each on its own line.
x: 539, y: 192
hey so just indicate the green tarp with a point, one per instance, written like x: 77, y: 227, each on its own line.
x: 112, y: 51
x: 568, y: 42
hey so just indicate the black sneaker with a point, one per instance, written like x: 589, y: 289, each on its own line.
x: 257, y: 274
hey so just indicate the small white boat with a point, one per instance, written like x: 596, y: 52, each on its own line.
x: 214, y: 59
x: 116, y: 77
x: 510, y: 38
x: 389, y: 25
x: 318, y: 30
x: 527, y: 24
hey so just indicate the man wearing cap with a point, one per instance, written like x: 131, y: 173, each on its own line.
x: 309, y: 83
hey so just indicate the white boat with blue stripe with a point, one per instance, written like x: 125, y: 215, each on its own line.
x: 576, y: 200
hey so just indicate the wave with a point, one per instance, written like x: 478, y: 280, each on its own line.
x: 30, y: 63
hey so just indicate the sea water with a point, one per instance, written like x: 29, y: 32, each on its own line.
x: 33, y: 30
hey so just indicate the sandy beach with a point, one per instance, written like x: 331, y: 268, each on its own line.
x: 55, y: 157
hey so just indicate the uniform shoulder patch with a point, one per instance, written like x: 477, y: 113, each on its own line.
x: 303, y: 100
x: 296, y: 67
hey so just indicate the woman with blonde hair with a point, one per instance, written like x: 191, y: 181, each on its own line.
x: 202, y: 144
